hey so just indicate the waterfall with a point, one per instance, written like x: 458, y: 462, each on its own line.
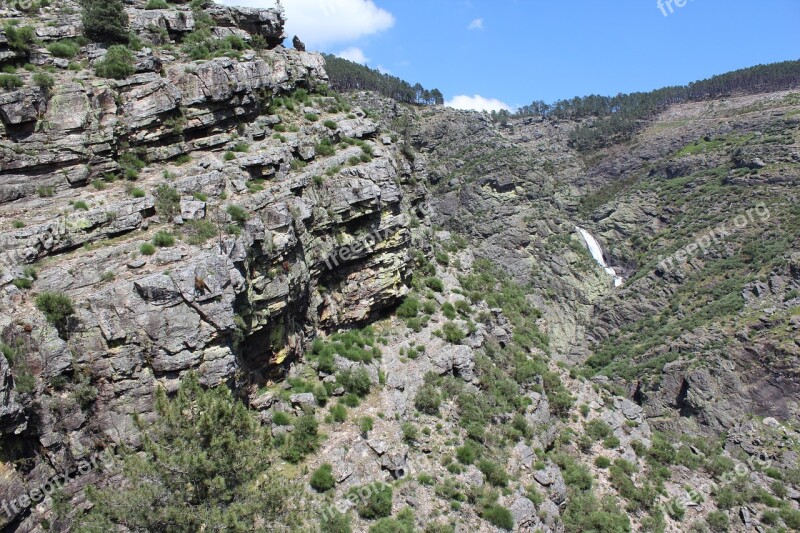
x: 597, y: 254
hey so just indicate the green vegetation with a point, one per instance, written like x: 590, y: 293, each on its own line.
x: 499, y: 516
x: 118, y: 63
x: 322, y: 478
x: 10, y: 81
x: 44, y: 81
x: 163, y: 239
x: 199, y: 231
x: 80, y: 205
x: 348, y: 76
x: 105, y: 21
x: 147, y: 249
x: 355, y: 345
x: 167, y: 202
x: 66, y: 49
x: 238, y: 214
x: 19, y: 38
x: 157, y: 4
x: 58, y: 310
x: 378, y: 503
x: 206, y: 463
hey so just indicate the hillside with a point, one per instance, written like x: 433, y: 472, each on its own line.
x: 232, y: 298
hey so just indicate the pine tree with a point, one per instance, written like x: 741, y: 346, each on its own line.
x: 205, y: 465
x: 105, y: 21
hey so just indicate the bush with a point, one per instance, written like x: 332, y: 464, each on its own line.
x: 499, y: 516
x: 157, y: 4
x: 331, y: 125
x: 467, y: 453
x: 57, y: 308
x: 409, y: 308
x: 10, y: 81
x: 434, y: 284
x: 303, y: 440
x: 19, y: 38
x: 335, y: 522
x: 355, y: 382
x: 312, y: 117
x: 279, y: 418
x: 44, y: 81
x: 428, y: 400
x: 137, y: 192
x: 199, y: 231
x: 452, y: 333
x: 322, y: 478
x: 717, y: 521
x: 147, y: 249
x: 80, y: 205
x: 105, y: 21
x: 602, y: 461
x: 162, y: 239
x: 597, y: 429
x: 64, y: 49
x: 378, y: 503
x: 167, y: 202
x: 237, y: 213
x: 339, y: 413
x: 118, y: 63
x: 365, y: 424
x: 495, y: 474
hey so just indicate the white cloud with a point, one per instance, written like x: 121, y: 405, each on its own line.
x: 476, y: 24
x: 477, y: 103
x: 353, y: 54
x: 383, y: 70
x: 321, y: 23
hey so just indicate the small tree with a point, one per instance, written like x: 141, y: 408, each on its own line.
x: 205, y: 465
x: 58, y: 310
x: 105, y: 21
x: 118, y: 63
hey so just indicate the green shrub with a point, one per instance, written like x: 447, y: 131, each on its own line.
x: 156, y: 4
x: 137, y: 192
x: 167, y: 202
x: 238, y: 214
x: 10, y: 81
x: 241, y: 147
x: 331, y: 125
x: 467, y: 453
x: 279, y: 418
x: 598, y: 429
x: 410, y: 433
x: 18, y: 224
x: 199, y: 231
x: 499, y: 516
x: 105, y: 21
x: 19, y: 38
x: 44, y: 81
x: 57, y: 308
x: 435, y: 284
x: 229, y: 156
x: 322, y: 478
x: 118, y: 63
x: 147, y: 249
x: 452, y: 333
x: 355, y: 381
x: 81, y: 205
x: 312, y: 117
x: 335, y: 522
x: 428, y: 400
x: 584, y: 513
x: 325, y: 148
x: 378, y: 504
x: 409, y: 308
x: 717, y: 521
x: 602, y: 461
x: 302, y: 441
x: 22, y: 283
x: 45, y: 191
x: 163, y: 239
x: 365, y: 424
x: 64, y: 49
x: 339, y: 413
x: 495, y: 473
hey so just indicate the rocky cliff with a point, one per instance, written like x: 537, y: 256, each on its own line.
x: 412, y: 278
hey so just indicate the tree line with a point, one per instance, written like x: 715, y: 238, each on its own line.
x: 617, y: 118
x: 348, y: 75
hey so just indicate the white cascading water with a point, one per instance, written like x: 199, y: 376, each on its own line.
x: 597, y: 253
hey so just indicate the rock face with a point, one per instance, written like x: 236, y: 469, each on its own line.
x: 279, y: 239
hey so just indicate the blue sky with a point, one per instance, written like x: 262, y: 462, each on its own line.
x: 516, y: 51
